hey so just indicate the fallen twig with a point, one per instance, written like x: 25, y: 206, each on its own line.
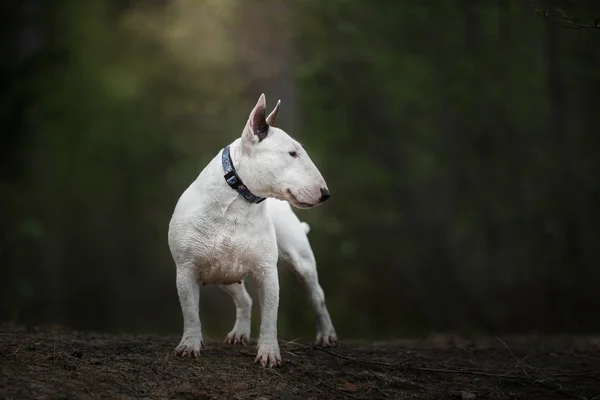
x: 498, y: 376
x: 333, y: 353
x: 572, y: 23
x: 505, y: 376
x: 519, y: 361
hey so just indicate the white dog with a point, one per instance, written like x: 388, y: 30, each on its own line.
x: 222, y: 231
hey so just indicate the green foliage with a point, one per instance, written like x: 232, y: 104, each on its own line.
x: 445, y: 135
x: 459, y: 140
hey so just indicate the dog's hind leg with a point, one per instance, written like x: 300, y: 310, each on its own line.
x: 305, y: 267
x: 294, y: 249
x: 240, y: 334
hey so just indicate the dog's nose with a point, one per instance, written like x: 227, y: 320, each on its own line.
x: 324, y: 195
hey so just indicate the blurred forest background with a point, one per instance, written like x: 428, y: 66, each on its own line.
x: 459, y: 139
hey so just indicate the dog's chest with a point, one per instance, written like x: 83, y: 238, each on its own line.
x: 235, y: 251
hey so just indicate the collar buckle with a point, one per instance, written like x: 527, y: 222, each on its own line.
x: 232, y: 179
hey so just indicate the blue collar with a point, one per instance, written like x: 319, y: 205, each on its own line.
x: 234, y: 181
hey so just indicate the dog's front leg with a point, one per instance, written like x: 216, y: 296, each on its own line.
x: 268, y: 292
x: 188, y: 289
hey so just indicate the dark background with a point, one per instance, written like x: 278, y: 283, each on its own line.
x: 460, y: 141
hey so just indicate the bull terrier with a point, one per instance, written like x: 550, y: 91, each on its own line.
x: 235, y: 220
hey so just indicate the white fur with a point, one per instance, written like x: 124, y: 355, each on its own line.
x: 217, y: 237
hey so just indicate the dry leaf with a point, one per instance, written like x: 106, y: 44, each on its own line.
x: 349, y: 387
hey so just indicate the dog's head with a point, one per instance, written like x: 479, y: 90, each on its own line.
x: 276, y: 165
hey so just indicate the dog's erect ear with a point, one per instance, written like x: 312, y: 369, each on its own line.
x: 257, y: 122
x: 271, y: 118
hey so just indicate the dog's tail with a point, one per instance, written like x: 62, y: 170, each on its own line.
x: 306, y: 227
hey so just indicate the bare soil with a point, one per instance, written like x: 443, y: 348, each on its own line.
x: 61, y: 364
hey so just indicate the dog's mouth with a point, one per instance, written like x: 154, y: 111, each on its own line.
x: 300, y: 204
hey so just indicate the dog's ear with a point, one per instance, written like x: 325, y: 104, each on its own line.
x: 257, y: 122
x: 271, y: 118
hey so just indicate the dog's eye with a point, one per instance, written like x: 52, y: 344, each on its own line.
x: 293, y: 154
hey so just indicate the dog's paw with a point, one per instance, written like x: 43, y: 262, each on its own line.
x: 237, y: 337
x: 268, y: 355
x: 326, y: 339
x: 189, y: 346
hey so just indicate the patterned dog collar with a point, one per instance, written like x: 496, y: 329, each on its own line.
x: 234, y: 181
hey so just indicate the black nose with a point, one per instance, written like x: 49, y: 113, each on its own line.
x: 324, y: 195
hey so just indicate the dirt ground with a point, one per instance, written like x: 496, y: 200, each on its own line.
x: 60, y: 364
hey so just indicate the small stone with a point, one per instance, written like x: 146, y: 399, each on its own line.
x: 77, y: 354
